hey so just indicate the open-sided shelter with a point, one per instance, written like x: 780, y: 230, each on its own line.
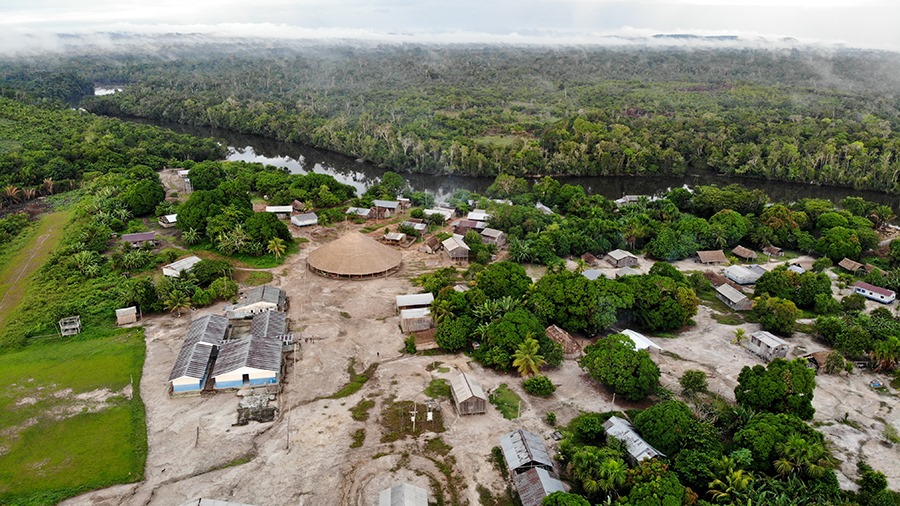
x: 851, y: 265
x: 354, y: 256
x: 744, y: 253
x: 139, y: 239
x: 641, y: 342
x: 203, y: 339
x: 468, y: 396
x: 716, y: 256
x: 524, y: 450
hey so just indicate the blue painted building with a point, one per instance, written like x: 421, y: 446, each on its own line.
x: 199, y: 349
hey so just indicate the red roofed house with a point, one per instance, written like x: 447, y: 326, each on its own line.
x: 873, y: 292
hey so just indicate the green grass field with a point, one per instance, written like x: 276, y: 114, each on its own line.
x: 506, y: 401
x: 55, y: 444
x: 25, y: 255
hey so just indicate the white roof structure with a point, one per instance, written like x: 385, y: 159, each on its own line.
x: 492, y: 232
x: 768, y: 339
x: 185, y: 264
x: 418, y: 227
x: 465, y: 387
x: 280, y: 209
x: 204, y: 335
x: 543, y: 209
x: 394, y: 236
x: 534, y: 485
x: 478, y: 215
x: 797, y: 269
x: 523, y: 450
x: 419, y: 312
x: 414, y: 300
x: 592, y: 274
x: 454, y: 243
x: 170, y: 218
x: 387, y: 204
x: 359, y: 211
x: 637, y: 448
x: 744, y: 274
x: 403, y: 494
x: 619, y: 254
x: 126, y: 311
x: 641, y: 342
x: 183, y: 172
x: 305, y: 220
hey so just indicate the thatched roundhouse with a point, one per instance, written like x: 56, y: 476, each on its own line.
x: 354, y: 256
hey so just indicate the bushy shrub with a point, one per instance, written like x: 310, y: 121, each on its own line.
x: 693, y: 381
x: 539, y: 385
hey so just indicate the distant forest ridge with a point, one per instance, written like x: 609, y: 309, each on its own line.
x: 806, y: 115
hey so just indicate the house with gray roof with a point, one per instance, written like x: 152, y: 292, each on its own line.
x: 248, y: 362
x: 174, y: 269
x: 535, y: 484
x: 385, y: 208
x: 203, y: 339
x: 733, y: 298
x: 363, y: 212
x: 767, y: 345
x: 468, y: 396
x: 305, y: 220
x: 456, y: 248
x: 525, y: 450
x: 258, y: 300
x: 494, y: 236
x: 139, y: 239
x: 621, y: 258
x: 744, y: 274
x: 271, y: 324
x: 636, y: 448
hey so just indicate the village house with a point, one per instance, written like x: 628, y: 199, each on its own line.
x: 709, y: 257
x: 363, y: 212
x: 468, y: 396
x: 456, y: 249
x: 873, y: 292
x: 620, y: 258
x: 305, y: 220
x: 744, y: 274
x: 626, y: 271
x: 251, y: 361
x: 414, y: 301
x: 431, y: 245
x: 851, y: 266
x: 126, y: 315
x: 494, y: 236
x: 189, y: 374
x: 743, y: 253
x: 140, y: 239
x: 415, y: 320
x: 394, y: 237
x: 462, y: 226
x: 767, y: 345
x: 773, y: 251
x: 733, y: 298
x: 534, y: 485
x: 446, y: 213
x: 281, y: 211
x: 636, y: 448
x: 592, y: 274
x: 590, y: 259
x: 258, y: 300
x: 175, y: 269
x: 418, y: 226
x: 478, y: 215
x: 524, y: 450
x: 385, y: 208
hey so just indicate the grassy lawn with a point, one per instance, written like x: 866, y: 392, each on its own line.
x: 25, y: 255
x: 252, y: 278
x: 506, y: 401
x: 207, y: 250
x: 58, y: 445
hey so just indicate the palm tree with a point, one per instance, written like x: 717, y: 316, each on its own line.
x: 799, y: 456
x: 442, y: 310
x: 886, y: 353
x: 190, y: 236
x: 731, y: 481
x: 527, y: 358
x: 612, y: 473
x: 277, y: 247
x: 176, y: 301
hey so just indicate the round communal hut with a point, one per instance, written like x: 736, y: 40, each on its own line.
x: 354, y: 256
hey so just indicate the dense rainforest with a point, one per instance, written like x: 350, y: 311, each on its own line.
x: 803, y: 114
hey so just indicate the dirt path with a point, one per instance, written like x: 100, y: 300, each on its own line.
x: 15, y: 277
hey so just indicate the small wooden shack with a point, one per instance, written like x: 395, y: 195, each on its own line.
x: 462, y: 226
x: 126, y: 315
x: 773, y: 251
x: 494, y: 236
x: 620, y: 258
x: 590, y: 259
x: 468, y: 396
x: 432, y: 245
x: 416, y: 320
x: 851, y: 266
x: 457, y: 250
x: 385, y: 208
x: 733, y: 298
x: 571, y: 348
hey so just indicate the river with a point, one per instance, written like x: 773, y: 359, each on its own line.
x: 301, y: 159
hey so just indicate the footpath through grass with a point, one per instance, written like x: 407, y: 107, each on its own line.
x: 68, y: 423
x: 26, y: 255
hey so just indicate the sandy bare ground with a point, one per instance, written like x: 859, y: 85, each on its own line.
x: 304, y: 456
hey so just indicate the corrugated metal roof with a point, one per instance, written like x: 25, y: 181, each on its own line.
x: 464, y: 388
x: 872, y: 288
x: 534, y: 485
x: 769, y: 339
x: 415, y: 299
x: 394, y: 236
x: 264, y: 293
x: 421, y: 312
x: 619, y: 254
x: 639, y: 449
x: 305, y: 219
x: 279, y: 209
x: 446, y: 213
x: 261, y: 353
x: 627, y: 271
x: 452, y: 244
x: 744, y: 274
x: 592, y: 274
x: 139, y: 237
x: 641, y: 342
x: 359, y: 211
x: 492, y: 232
x: 414, y: 225
x: 205, y: 333
x: 730, y: 293
x: 387, y: 204
x: 185, y: 264
x: 523, y: 449
x: 170, y: 218
x: 403, y: 494
x: 268, y: 324
x: 478, y: 215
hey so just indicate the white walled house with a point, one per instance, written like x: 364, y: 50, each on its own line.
x: 251, y: 361
x: 260, y: 299
x: 873, y: 292
x: 203, y: 338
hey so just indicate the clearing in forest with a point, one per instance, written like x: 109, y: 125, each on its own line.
x: 18, y: 265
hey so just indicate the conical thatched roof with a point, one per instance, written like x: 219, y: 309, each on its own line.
x: 354, y: 255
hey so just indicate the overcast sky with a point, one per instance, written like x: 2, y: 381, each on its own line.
x: 859, y: 23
